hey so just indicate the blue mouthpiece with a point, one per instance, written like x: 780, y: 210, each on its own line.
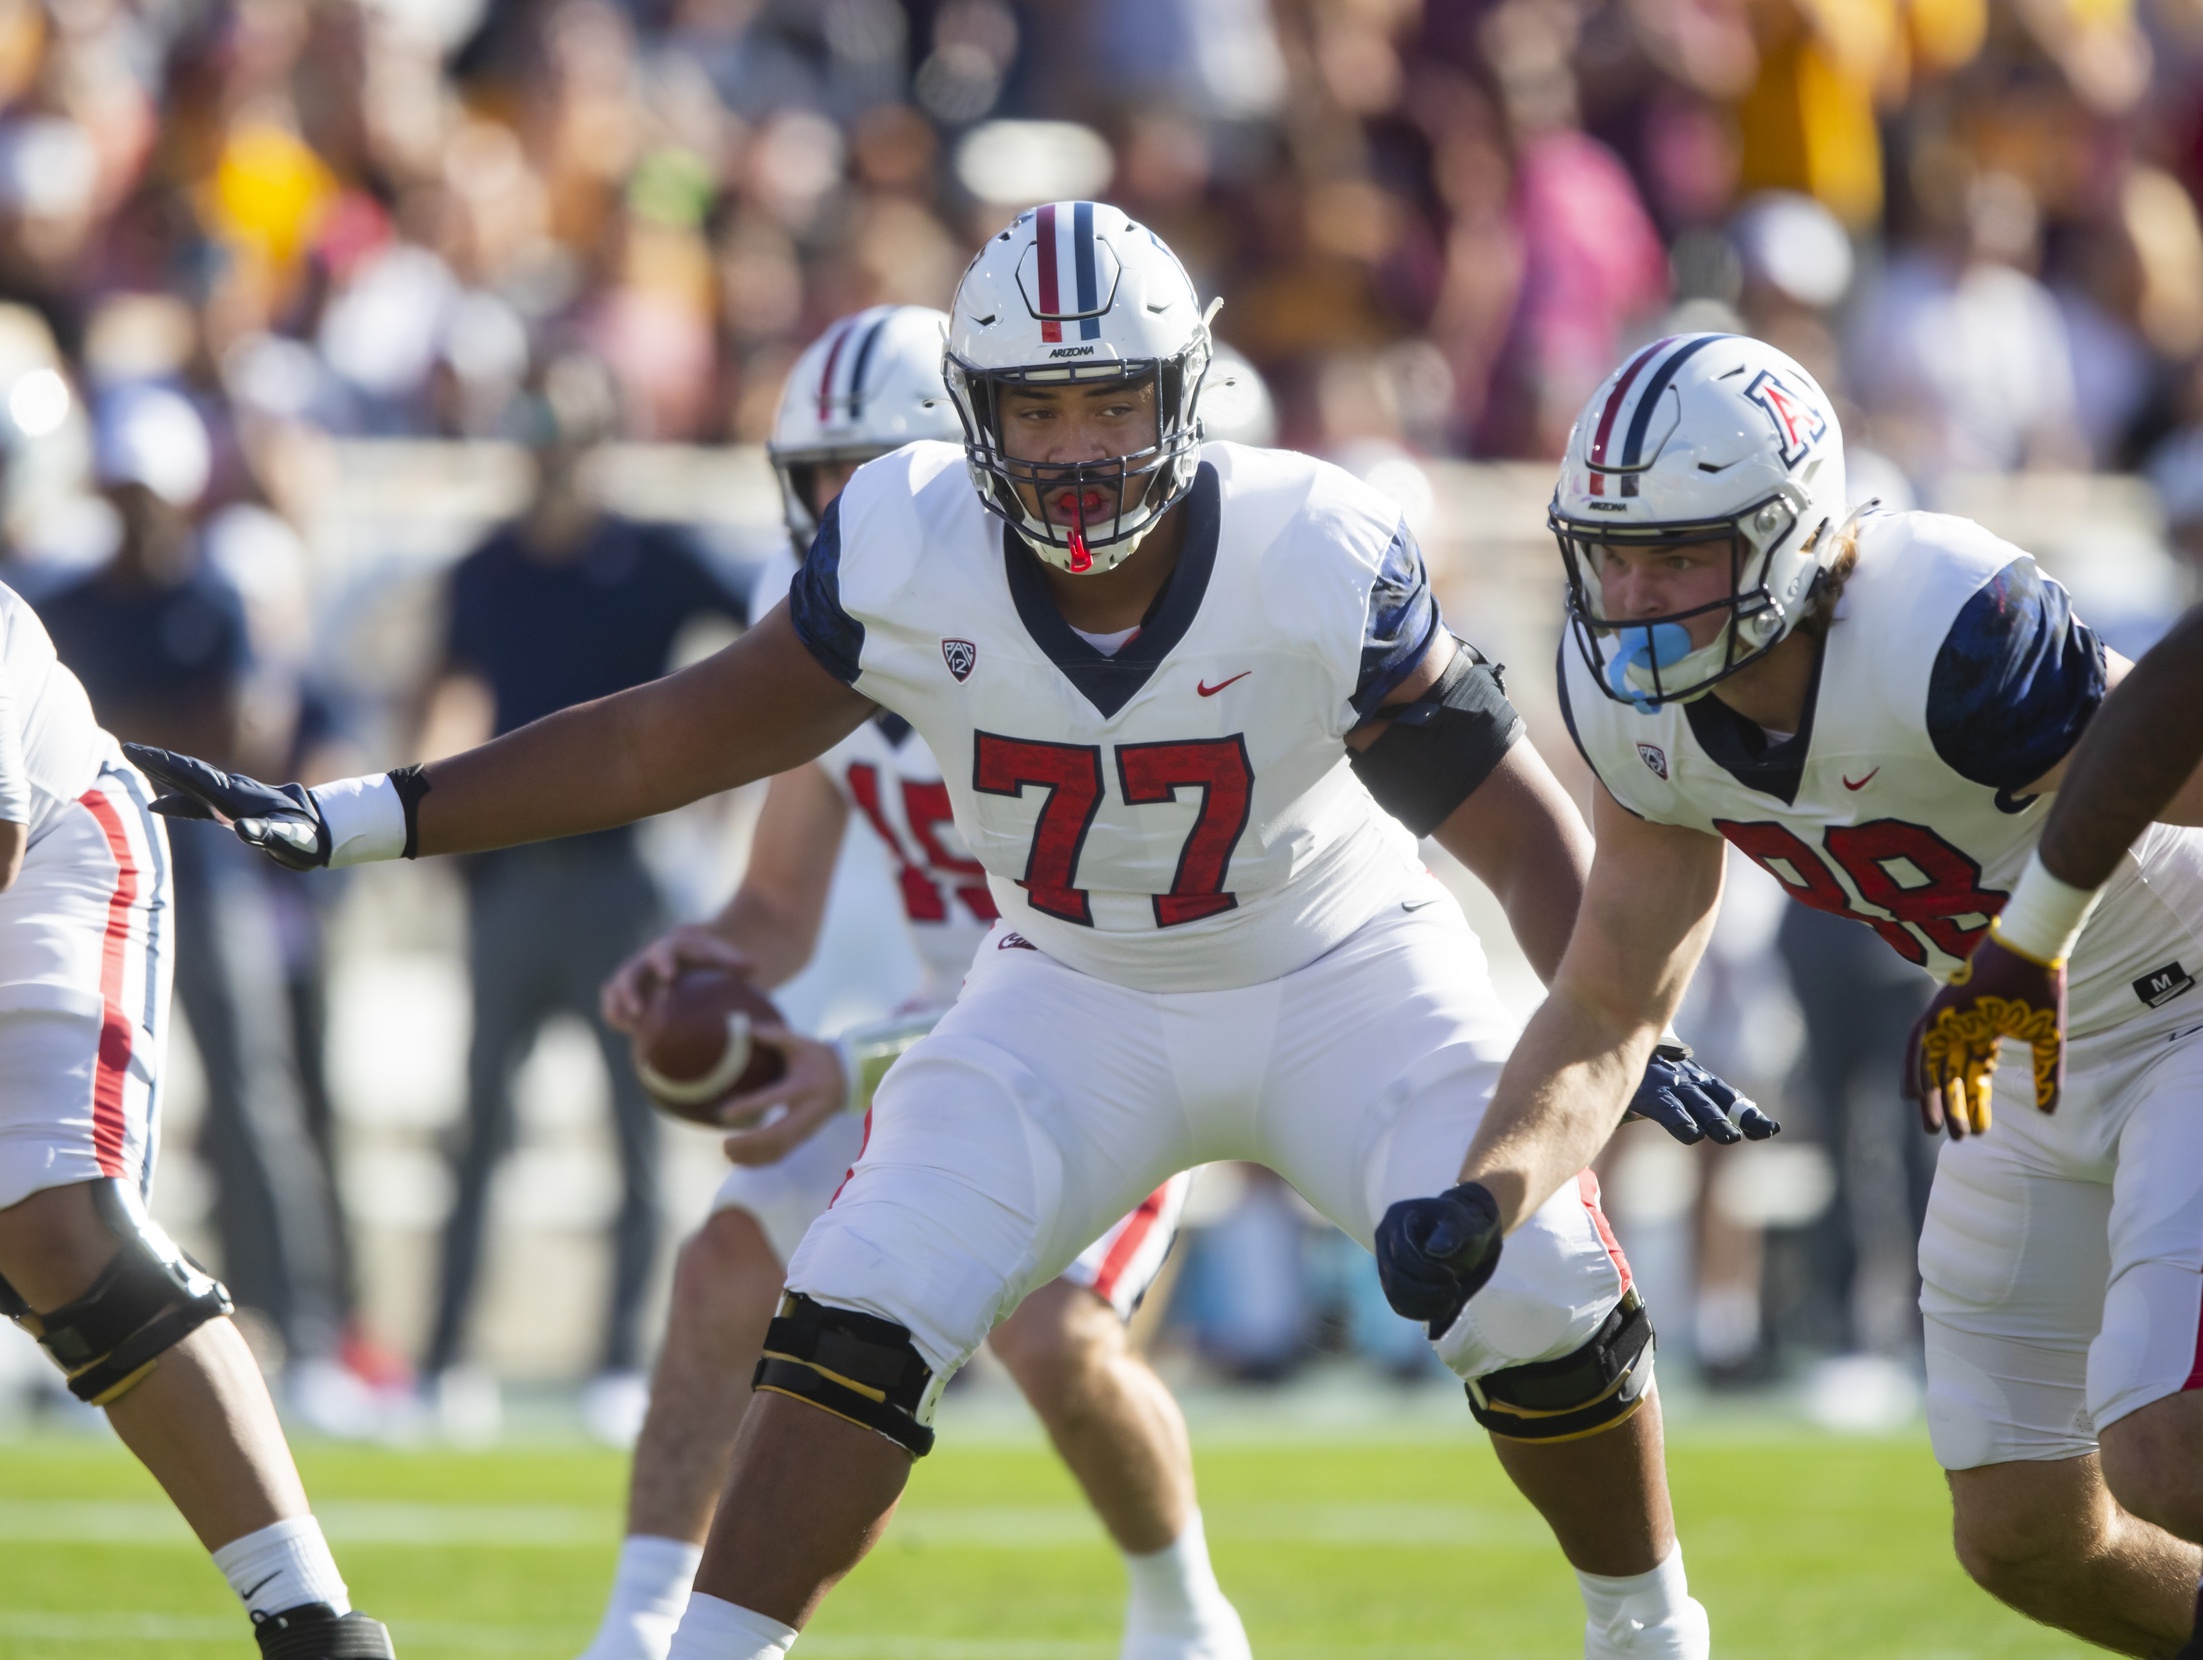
x: 1658, y: 646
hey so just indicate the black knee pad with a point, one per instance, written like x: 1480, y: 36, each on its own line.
x: 856, y: 1366
x: 1579, y: 1394
x: 146, y: 1301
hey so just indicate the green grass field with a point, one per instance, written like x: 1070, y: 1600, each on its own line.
x: 1800, y: 1545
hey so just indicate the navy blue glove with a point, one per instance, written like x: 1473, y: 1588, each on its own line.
x: 1433, y: 1255
x: 283, y: 823
x: 1691, y: 1104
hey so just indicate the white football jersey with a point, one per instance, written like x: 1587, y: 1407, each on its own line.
x: 1178, y: 816
x: 890, y: 779
x: 51, y: 745
x: 1953, y: 676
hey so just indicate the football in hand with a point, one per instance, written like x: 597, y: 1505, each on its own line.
x: 693, y: 1047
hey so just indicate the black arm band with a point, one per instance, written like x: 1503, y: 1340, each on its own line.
x: 1439, y: 748
x: 411, y: 783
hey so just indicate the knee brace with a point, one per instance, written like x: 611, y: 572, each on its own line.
x: 1580, y: 1394
x: 146, y: 1301
x: 856, y: 1366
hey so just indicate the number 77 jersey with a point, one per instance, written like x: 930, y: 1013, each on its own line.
x: 1953, y: 676
x: 1177, y: 815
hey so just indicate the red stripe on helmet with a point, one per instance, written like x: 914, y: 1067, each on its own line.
x: 1045, y: 223
x: 1613, y: 410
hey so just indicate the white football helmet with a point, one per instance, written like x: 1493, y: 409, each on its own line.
x: 870, y: 384
x: 1697, y: 438
x: 1074, y: 292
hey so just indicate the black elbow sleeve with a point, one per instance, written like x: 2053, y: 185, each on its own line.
x: 1438, y: 749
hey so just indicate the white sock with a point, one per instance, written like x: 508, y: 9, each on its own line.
x: 1174, y: 1589
x: 285, y: 1565
x: 713, y: 1629
x: 1643, y: 1614
x: 649, y: 1589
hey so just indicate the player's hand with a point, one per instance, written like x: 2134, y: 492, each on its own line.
x: 284, y: 823
x: 1433, y: 1255
x: 813, y: 1089
x: 1693, y: 1105
x: 1950, y: 1059
x: 636, y: 981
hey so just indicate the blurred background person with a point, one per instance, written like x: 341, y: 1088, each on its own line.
x: 567, y: 603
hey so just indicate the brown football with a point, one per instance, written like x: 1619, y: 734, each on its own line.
x: 692, y: 1046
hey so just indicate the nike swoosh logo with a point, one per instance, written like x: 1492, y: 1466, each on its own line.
x: 1862, y: 783
x: 263, y: 1585
x: 1416, y: 904
x: 1206, y: 690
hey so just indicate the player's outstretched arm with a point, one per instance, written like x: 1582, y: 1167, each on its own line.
x: 1648, y: 909
x: 1449, y: 757
x: 2135, y: 764
x: 758, y: 707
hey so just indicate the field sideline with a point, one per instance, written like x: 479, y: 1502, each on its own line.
x: 1336, y: 1549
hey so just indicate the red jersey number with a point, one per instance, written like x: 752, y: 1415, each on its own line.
x: 1148, y: 774
x: 1931, y: 890
x: 1071, y: 775
x: 925, y: 804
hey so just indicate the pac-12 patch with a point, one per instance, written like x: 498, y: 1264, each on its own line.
x: 2161, y: 985
x: 1655, y: 758
x: 959, y: 655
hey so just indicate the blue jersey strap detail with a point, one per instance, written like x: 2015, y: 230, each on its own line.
x: 1403, y: 621
x: 832, y: 635
x: 2017, y: 679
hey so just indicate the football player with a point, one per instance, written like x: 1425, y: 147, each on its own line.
x: 1876, y: 709
x: 86, y: 942
x: 1192, y: 704
x: 869, y: 385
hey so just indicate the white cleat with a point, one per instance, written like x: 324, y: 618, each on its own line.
x: 1213, y: 1632
x: 1683, y: 1635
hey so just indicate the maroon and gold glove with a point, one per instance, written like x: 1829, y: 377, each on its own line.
x: 1950, y: 1059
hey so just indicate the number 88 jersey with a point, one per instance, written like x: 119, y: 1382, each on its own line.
x: 1953, y: 675
x: 1178, y: 816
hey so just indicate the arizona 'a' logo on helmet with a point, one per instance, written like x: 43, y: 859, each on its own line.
x: 1799, y: 421
x: 1074, y: 294
x: 1699, y: 438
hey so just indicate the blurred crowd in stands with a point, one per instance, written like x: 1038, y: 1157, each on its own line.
x: 1435, y: 223
x: 234, y: 231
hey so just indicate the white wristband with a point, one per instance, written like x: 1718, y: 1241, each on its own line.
x: 2045, y: 915
x: 366, y: 819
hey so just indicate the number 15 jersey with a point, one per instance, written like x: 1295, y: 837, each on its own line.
x: 1178, y: 816
x: 1954, y: 675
